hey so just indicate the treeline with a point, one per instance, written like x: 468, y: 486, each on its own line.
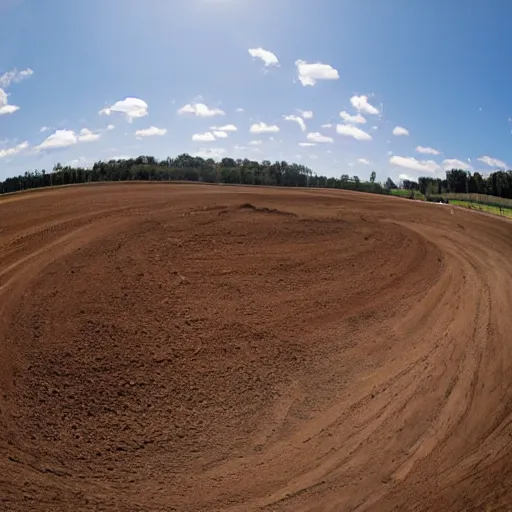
x: 189, y: 168
x: 250, y: 172
x: 498, y: 183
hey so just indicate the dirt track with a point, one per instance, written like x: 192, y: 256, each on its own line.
x: 211, y: 348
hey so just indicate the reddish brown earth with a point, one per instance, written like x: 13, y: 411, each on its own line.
x: 200, y: 348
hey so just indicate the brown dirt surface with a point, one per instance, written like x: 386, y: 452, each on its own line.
x: 202, y: 348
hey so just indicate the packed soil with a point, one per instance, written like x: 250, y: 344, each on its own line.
x: 201, y: 348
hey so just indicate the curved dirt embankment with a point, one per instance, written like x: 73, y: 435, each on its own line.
x: 200, y: 348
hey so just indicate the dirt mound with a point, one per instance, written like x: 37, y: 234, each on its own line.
x: 162, y: 348
x: 264, y: 209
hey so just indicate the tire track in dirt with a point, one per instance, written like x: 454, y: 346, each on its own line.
x: 167, y: 348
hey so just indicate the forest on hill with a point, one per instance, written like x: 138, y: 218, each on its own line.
x: 250, y: 172
x: 189, y: 168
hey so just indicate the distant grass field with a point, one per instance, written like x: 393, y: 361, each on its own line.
x: 480, y: 199
x: 479, y: 202
x: 495, y: 210
x: 407, y: 193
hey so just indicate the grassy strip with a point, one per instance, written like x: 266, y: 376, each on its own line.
x: 407, y: 193
x: 481, y: 199
x: 495, y: 210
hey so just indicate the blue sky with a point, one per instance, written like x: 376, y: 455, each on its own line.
x: 405, y: 88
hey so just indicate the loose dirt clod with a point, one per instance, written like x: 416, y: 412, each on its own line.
x: 353, y: 353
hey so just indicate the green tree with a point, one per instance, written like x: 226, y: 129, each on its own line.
x: 390, y: 184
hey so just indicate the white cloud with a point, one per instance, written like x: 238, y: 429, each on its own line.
x: 400, y: 131
x: 59, y: 139
x: 256, y: 142
x: 427, y: 150
x: 267, y: 57
x: 44, y: 129
x: 404, y: 177
x: 8, y: 109
x: 5, y: 108
x: 110, y: 127
x: 14, y: 76
x: 492, y: 162
x: 225, y: 128
x: 328, y: 125
x: 307, y: 144
x: 363, y: 161
x: 453, y: 163
x: 6, y: 80
x: 88, y: 136
x: 120, y: 157
x: 353, y: 131
x: 14, y: 150
x: 203, y: 137
x: 361, y: 104
x: 298, y: 120
x: 65, y: 138
x: 318, y: 137
x: 263, y: 128
x: 200, y: 110
x: 239, y: 109
x: 151, y: 132
x: 131, y: 107
x: 414, y: 164
x: 81, y: 162
x: 309, y: 73
x: 307, y: 114
x: 220, y: 134
x: 215, y: 153
x: 375, y: 127
x: 352, y: 119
